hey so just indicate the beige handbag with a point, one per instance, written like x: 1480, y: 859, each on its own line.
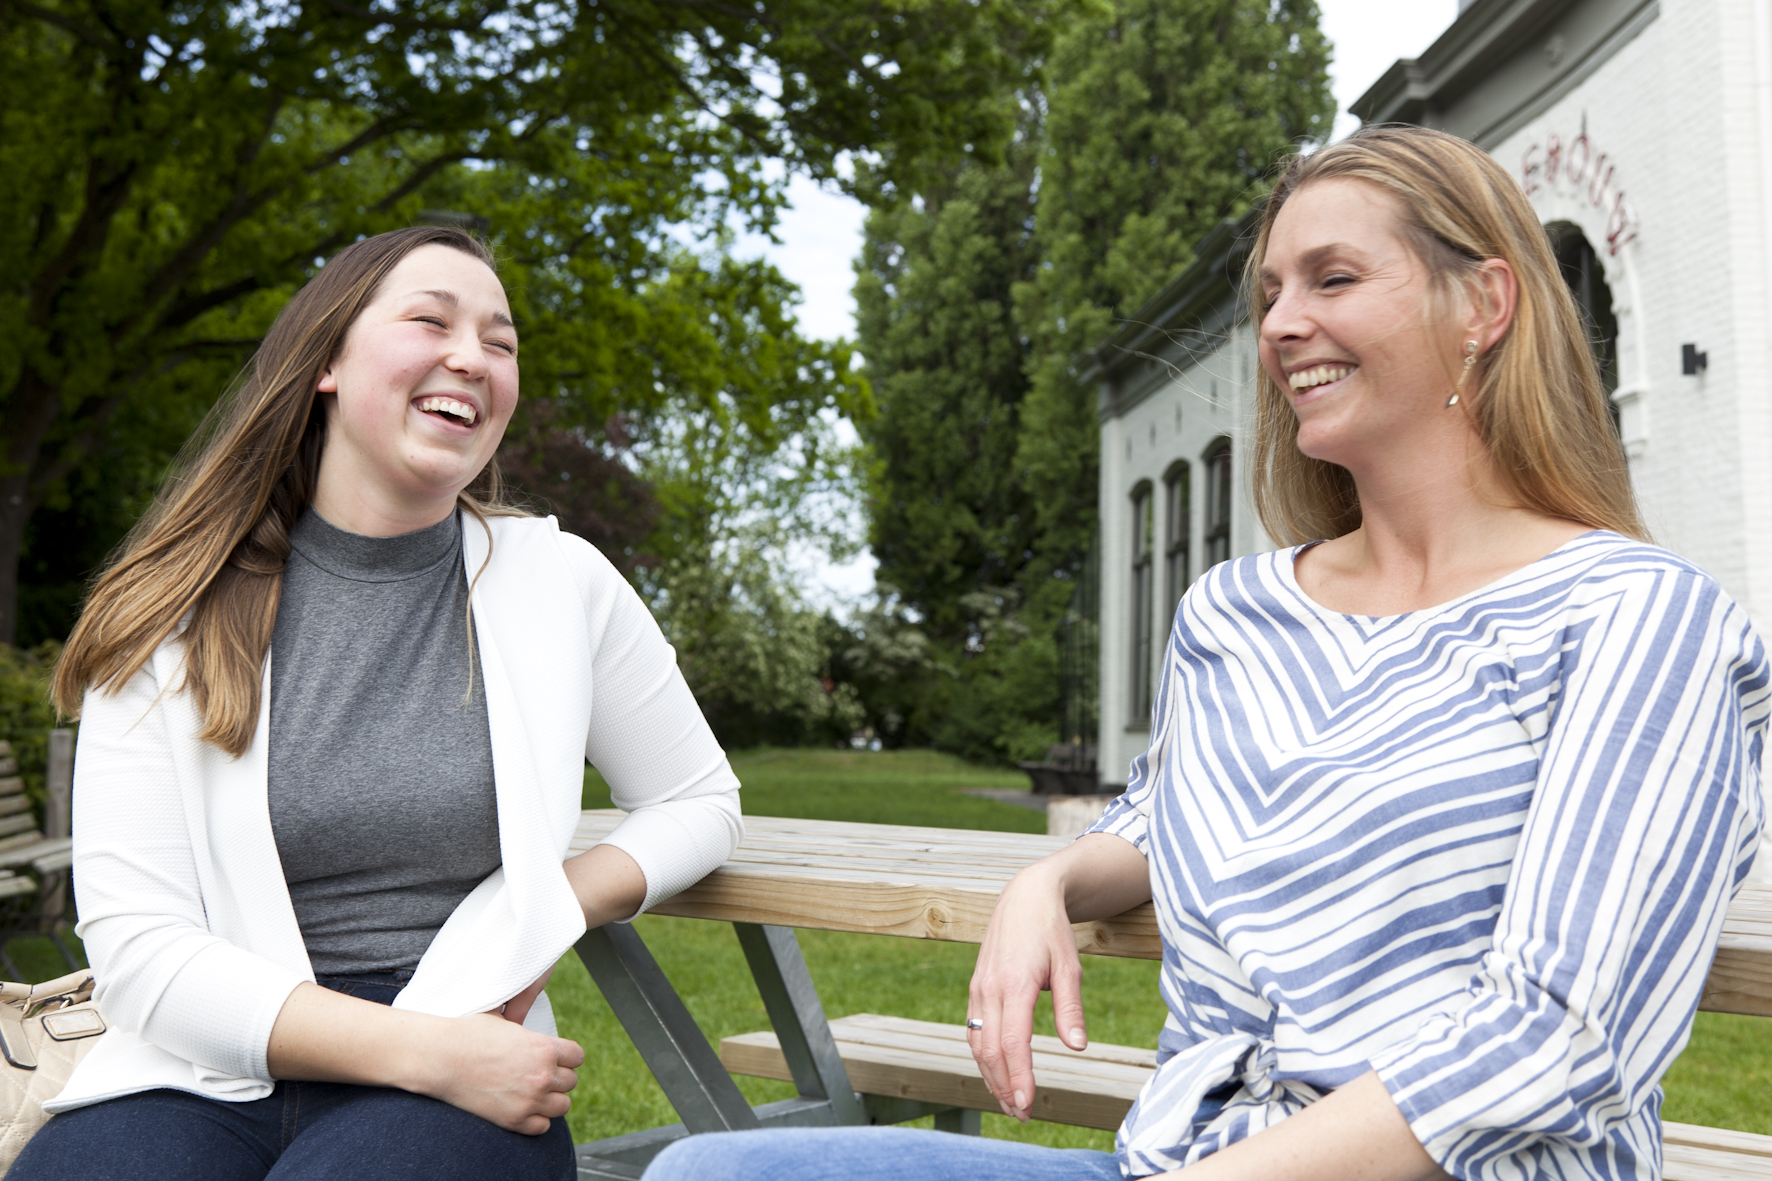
x: 45, y: 1030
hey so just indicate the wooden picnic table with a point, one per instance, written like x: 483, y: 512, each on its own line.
x: 942, y: 883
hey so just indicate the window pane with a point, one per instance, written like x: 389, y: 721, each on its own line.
x: 1178, y: 506
x: 1179, y: 510
x: 1143, y: 539
x: 1218, y: 506
x: 1221, y: 480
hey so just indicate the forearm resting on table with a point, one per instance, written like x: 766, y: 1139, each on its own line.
x: 1099, y: 876
x: 1354, y: 1133
x: 608, y: 884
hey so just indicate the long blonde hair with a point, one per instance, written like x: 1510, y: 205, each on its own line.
x: 1538, y: 404
x: 214, y: 543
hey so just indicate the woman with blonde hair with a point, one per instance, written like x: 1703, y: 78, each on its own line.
x: 1445, y: 800
x: 336, y: 701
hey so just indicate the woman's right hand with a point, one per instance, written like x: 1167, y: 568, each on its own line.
x: 503, y: 1073
x: 1028, y: 948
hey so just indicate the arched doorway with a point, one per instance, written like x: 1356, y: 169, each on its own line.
x: 1587, y: 282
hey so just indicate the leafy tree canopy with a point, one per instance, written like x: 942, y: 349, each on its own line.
x: 170, y: 170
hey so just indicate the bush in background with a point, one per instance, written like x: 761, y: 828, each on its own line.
x: 755, y: 656
x: 26, y: 717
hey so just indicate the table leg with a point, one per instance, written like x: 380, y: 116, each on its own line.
x: 962, y: 1121
x: 890, y: 1109
x: 686, y: 1066
x: 794, y: 1010
x: 674, y: 1047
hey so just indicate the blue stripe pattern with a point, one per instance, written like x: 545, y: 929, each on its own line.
x: 1483, y: 849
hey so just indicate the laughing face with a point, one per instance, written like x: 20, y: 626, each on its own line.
x: 1348, y: 332
x: 419, y: 396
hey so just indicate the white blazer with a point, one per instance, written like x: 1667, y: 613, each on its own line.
x: 183, y: 907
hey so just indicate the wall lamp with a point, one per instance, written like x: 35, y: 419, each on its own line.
x: 1693, y: 362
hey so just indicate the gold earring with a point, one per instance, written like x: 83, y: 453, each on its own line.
x: 1470, y: 362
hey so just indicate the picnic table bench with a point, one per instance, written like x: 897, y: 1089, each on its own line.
x: 934, y: 883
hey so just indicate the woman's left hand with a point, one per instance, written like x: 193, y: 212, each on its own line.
x: 517, y: 1008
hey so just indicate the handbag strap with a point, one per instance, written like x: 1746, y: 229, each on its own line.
x: 26, y: 999
x: 20, y: 1002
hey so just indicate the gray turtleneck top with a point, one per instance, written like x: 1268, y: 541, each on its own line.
x: 381, y: 788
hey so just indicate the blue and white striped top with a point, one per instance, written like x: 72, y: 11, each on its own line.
x: 1484, y: 849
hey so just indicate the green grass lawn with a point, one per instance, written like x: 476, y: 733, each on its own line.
x: 1721, y: 1080
x: 1724, y: 1076
x: 873, y: 787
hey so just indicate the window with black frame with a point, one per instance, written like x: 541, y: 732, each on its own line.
x: 1143, y: 544
x: 1177, y: 512
x: 1218, y: 504
x: 1586, y: 278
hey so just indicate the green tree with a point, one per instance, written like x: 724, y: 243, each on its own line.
x: 885, y: 659
x: 948, y: 511
x: 171, y: 169
x: 1163, y: 119
x: 1150, y: 122
x: 953, y: 522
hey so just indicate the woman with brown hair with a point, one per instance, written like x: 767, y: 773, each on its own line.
x: 1445, y: 800
x: 336, y: 700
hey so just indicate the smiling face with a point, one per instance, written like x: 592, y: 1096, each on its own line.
x: 1349, y: 333
x: 419, y: 396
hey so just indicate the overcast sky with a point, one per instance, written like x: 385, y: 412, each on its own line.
x: 821, y: 234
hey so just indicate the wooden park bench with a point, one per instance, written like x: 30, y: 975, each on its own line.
x: 34, y: 859
x: 929, y: 883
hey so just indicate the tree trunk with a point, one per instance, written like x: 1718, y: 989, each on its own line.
x: 15, y: 511
x: 34, y: 404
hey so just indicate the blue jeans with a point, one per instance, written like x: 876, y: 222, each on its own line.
x: 872, y: 1154
x: 300, y: 1132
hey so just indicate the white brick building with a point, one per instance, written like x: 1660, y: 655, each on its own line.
x: 1642, y: 130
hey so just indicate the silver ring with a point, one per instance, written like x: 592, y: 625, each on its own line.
x: 975, y: 1023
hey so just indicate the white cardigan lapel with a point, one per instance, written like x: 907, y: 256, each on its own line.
x: 522, y: 918
x: 228, y: 817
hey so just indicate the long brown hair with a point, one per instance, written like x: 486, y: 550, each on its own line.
x: 213, y: 546
x: 1538, y: 404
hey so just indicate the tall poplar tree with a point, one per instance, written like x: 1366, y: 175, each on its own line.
x: 953, y: 524
x: 933, y: 296
x: 1152, y: 121
x: 1164, y: 119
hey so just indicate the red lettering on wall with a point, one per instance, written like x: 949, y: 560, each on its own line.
x: 1621, y: 225
x: 1531, y: 169
x: 1579, y: 171
x: 1601, y: 184
x: 1581, y: 144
